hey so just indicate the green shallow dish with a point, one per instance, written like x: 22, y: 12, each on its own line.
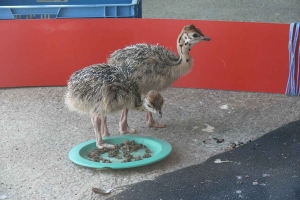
x: 160, y: 149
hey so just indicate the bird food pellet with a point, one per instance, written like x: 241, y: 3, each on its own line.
x: 122, y: 152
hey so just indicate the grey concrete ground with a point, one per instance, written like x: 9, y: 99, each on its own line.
x: 37, y: 131
x: 231, y: 10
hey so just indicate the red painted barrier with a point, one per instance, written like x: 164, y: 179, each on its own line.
x: 240, y: 56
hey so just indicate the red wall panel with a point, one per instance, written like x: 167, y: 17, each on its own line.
x: 241, y: 56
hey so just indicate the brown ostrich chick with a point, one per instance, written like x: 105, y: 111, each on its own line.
x: 100, y: 89
x: 155, y: 67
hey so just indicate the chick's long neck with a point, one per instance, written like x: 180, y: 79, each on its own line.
x: 183, y: 47
x: 184, y: 62
x: 142, y: 107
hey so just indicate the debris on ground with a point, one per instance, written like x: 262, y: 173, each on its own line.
x: 208, y: 128
x: 219, y: 140
x: 221, y: 161
x: 224, y: 107
x: 237, y: 144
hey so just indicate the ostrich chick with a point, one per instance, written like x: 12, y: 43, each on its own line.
x: 155, y: 67
x: 102, y: 89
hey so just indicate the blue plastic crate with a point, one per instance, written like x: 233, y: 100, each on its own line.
x: 55, y: 9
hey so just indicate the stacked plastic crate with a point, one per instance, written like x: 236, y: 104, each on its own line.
x: 57, y: 9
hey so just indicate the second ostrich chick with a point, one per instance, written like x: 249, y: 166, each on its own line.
x: 156, y: 67
x: 101, y: 89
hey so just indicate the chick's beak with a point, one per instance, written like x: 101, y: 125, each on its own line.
x: 159, y: 114
x: 206, y: 38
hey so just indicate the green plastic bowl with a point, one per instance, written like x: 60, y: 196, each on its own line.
x: 159, y: 148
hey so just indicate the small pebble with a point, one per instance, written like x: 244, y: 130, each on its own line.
x: 219, y: 140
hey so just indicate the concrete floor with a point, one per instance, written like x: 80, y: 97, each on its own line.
x: 37, y: 130
x: 277, y: 11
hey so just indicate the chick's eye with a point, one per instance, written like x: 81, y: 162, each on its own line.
x: 195, y: 35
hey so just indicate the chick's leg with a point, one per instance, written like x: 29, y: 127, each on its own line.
x: 104, y: 129
x: 151, y: 123
x: 96, y: 121
x: 124, y: 128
